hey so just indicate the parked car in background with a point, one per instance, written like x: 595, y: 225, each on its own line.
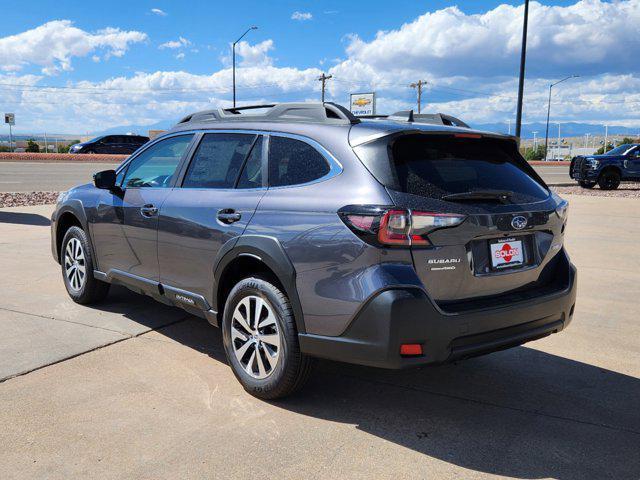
x: 114, y: 144
x: 622, y: 164
x: 306, y: 232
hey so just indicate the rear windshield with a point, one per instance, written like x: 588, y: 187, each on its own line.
x: 434, y: 166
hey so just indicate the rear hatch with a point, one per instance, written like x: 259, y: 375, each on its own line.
x: 490, y: 226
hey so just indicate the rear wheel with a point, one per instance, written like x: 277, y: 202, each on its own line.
x: 77, y: 269
x: 261, y: 340
x: 609, y: 180
x: 586, y: 184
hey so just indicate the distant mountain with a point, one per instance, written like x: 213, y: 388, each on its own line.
x: 569, y: 129
x: 137, y: 129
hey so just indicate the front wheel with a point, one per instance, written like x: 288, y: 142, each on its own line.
x: 586, y: 184
x: 261, y: 340
x: 77, y: 269
x: 609, y: 180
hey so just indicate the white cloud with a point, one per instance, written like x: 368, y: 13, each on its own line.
x: 157, y: 11
x: 173, y: 44
x: 470, y: 62
x: 180, y: 56
x: 52, y: 46
x: 587, y: 34
x: 301, y: 16
x: 255, y: 55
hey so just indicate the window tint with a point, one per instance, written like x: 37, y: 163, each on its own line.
x: 251, y: 176
x: 111, y: 139
x: 156, y: 166
x: 435, y: 166
x: 292, y: 162
x: 218, y: 160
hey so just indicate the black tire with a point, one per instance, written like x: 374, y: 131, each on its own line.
x: 293, y: 368
x: 586, y: 184
x: 89, y: 290
x: 609, y: 180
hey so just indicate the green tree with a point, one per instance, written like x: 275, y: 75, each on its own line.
x: 65, y: 148
x: 4, y: 148
x: 32, y: 147
x: 600, y: 151
x: 535, y: 154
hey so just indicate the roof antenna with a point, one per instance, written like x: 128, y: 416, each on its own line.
x: 402, y: 116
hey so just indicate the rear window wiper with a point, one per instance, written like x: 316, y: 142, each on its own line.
x: 502, y: 196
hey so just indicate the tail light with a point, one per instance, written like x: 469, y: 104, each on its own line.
x: 387, y: 226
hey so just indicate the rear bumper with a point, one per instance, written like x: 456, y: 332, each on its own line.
x: 407, y: 315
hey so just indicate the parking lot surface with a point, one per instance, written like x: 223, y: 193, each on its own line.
x: 39, y: 176
x: 135, y: 389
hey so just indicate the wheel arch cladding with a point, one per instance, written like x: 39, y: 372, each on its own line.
x: 253, y: 254
x: 69, y: 216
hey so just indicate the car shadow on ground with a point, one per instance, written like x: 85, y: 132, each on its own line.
x: 22, y: 218
x: 520, y: 413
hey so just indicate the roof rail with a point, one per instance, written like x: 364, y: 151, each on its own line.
x: 304, y: 112
x: 430, y: 118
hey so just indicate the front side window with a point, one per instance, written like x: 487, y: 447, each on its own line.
x: 293, y: 162
x: 156, y: 166
x: 218, y: 160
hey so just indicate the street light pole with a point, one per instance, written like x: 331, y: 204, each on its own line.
x: 523, y: 60
x: 546, y: 137
x: 233, y: 48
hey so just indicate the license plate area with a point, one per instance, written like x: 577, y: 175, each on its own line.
x: 504, y: 254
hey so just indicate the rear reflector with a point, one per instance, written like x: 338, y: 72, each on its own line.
x: 411, y: 349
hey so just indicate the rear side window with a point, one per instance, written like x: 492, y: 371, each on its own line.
x: 293, y: 162
x: 251, y: 175
x: 218, y: 160
x: 434, y: 166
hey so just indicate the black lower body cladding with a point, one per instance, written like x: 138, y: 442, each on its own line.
x: 408, y: 316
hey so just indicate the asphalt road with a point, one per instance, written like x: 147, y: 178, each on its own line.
x: 135, y: 389
x: 29, y: 177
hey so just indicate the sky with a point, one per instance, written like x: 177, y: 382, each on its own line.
x: 85, y: 66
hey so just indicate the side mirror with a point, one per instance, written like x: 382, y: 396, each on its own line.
x: 105, y: 179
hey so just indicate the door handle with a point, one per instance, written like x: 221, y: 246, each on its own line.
x: 228, y: 215
x: 148, y: 210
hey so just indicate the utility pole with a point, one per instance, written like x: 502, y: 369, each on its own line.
x: 419, y: 84
x: 606, y: 135
x: 523, y: 60
x: 535, y: 141
x: 323, y: 78
x: 558, y: 141
x: 46, y: 144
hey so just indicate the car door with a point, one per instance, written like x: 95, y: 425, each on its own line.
x: 219, y: 193
x: 125, y: 223
x: 632, y: 163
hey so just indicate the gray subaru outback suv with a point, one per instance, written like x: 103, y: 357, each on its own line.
x: 306, y: 232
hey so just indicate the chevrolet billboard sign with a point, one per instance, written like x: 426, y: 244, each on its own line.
x: 363, y: 104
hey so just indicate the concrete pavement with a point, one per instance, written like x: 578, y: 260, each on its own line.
x: 153, y: 397
x: 33, y: 176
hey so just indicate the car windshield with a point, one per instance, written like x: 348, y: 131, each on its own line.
x: 619, y: 150
x: 93, y: 140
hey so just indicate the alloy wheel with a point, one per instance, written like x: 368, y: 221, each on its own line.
x: 255, y: 336
x: 74, y: 264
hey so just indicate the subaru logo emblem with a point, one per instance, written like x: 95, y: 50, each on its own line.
x: 518, y: 222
